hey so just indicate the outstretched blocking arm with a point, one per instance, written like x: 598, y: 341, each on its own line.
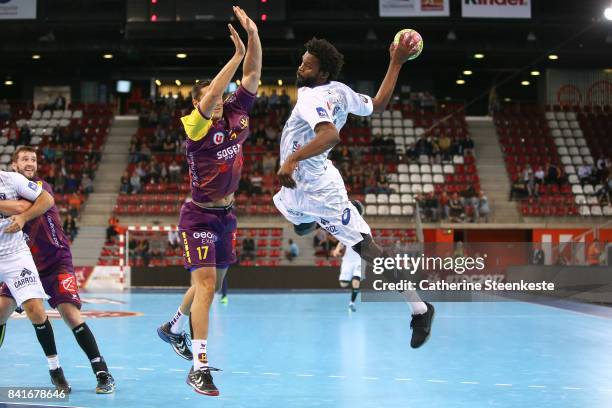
x: 38, y: 208
x: 223, y: 78
x: 398, y: 55
x: 251, y: 68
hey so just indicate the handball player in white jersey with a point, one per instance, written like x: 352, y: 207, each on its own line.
x: 312, y: 190
x: 17, y: 268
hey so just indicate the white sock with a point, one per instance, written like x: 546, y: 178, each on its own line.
x: 415, y: 302
x: 200, y: 359
x: 178, y: 322
x: 53, y: 362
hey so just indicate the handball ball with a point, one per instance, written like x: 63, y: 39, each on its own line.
x: 411, y: 40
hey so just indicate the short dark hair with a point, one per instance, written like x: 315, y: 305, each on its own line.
x: 330, y: 59
x: 195, y: 90
x: 22, y: 149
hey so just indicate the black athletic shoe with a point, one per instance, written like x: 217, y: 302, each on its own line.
x: 180, y: 342
x: 106, y: 383
x: 421, y: 326
x: 58, y: 379
x: 202, y: 382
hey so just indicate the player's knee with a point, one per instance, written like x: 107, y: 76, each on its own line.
x: 305, y: 228
x: 204, y: 278
x: 71, y: 314
x: 367, y: 249
x: 344, y: 284
x: 35, y: 310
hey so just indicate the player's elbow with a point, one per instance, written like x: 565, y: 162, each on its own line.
x: 329, y: 133
x: 378, y: 107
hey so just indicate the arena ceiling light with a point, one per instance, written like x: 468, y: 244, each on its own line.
x: 467, y: 72
x: 535, y: 72
x: 157, y: 82
x: 238, y: 82
x: 260, y: 82
x: 35, y: 57
x: 8, y: 82
x: 525, y: 83
x: 178, y: 82
x: 553, y: 57
x: 608, y: 13
x: 479, y: 55
x: 460, y: 82
x: 280, y: 82
x: 507, y: 99
x: 108, y: 56
x: 181, y: 55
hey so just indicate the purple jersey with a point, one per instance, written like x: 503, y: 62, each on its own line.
x: 46, y: 238
x: 214, y: 148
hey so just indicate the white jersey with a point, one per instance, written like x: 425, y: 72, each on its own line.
x: 14, y: 186
x: 331, y: 102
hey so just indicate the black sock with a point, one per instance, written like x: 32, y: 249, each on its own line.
x: 190, y: 326
x: 354, y: 293
x: 2, y: 332
x: 87, y: 341
x: 44, y: 333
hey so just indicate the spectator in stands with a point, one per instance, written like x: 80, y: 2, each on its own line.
x: 87, y: 184
x: 273, y: 100
x: 145, y: 152
x: 444, y: 205
x: 585, y: 172
x: 456, y: 207
x: 444, y: 144
x: 12, y: 136
x: 169, y: 145
x: 271, y: 135
x: 72, y: 183
x: 423, y: 147
x: 74, y: 203
x: 134, y: 153
x: 174, y: 239
x: 529, y: 180
x: 552, y: 174
x: 517, y: 190
x: 126, y: 187
x: 5, y: 110
x: 481, y: 207
x: 256, y: 182
x: 25, y: 136
x: 538, y: 255
x: 468, y: 145
x: 284, y: 100
x: 111, y: 230
x: 248, y: 249
x: 538, y: 176
x: 268, y: 162
x: 431, y: 206
x: 143, y: 252
x: 174, y: 172
x: 59, y: 103
x: 319, y: 237
x: 135, y: 183
x: 293, y: 251
x: 262, y: 102
x: 269, y: 182
x: 70, y: 227
x: 156, y: 249
x: 604, y: 194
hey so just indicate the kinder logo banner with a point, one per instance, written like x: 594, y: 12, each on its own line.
x: 413, y: 8
x: 496, y: 8
x: 17, y: 9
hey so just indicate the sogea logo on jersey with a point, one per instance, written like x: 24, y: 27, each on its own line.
x: 229, y: 152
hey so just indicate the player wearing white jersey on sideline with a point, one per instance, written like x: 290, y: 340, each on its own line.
x: 17, y: 268
x: 312, y: 188
x: 350, y: 269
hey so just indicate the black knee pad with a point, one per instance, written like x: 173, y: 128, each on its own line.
x: 368, y: 249
x: 305, y: 228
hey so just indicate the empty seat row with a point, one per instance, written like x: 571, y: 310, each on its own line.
x: 384, y: 210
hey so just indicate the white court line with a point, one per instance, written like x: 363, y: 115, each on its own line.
x: 336, y: 376
x: 81, y: 366
x: 21, y: 365
x: 240, y: 372
x: 469, y: 382
x: 402, y: 379
x: 117, y: 367
x: 304, y: 375
x: 176, y: 370
x: 437, y: 381
x: 536, y: 386
x: 503, y: 385
x: 572, y: 388
x: 145, y: 369
x: 370, y: 378
x: 271, y: 373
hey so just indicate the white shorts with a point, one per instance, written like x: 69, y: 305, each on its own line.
x: 350, y: 270
x: 20, y: 275
x: 328, y: 206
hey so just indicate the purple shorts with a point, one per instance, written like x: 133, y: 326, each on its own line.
x: 208, y: 235
x: 60, y: 284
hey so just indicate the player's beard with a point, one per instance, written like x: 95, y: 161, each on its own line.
x: 301, y: 81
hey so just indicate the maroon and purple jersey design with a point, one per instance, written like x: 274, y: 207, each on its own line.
x: 46, y: 238
x: 214, y: 148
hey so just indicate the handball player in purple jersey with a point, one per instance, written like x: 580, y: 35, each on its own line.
x: 50, y: 249
x: 216, y: 131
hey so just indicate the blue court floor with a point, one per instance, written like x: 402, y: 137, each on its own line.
x: 307, y: 350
